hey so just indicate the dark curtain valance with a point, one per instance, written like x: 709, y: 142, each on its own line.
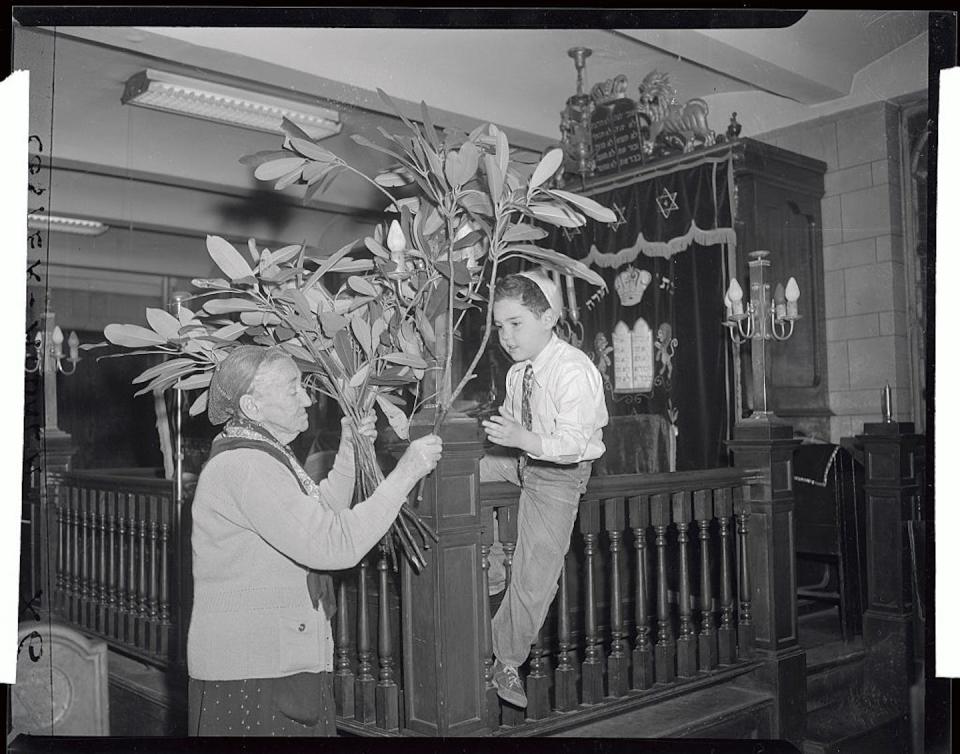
x: 662, y: 214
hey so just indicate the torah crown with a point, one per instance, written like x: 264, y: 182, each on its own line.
x: 609, y: 90
x: 630, y: 285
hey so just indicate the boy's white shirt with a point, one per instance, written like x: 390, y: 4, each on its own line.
x: 568, y: 405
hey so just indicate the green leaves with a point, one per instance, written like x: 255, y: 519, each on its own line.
x: 461, y: 166
x: 164, y: 323
x: 228, y: 259
x: 132, y: 336
x: 556, y: 214
x: 589, y: 206
x: 313, y: 151
x: 274, y: 169
x: 548, y: 166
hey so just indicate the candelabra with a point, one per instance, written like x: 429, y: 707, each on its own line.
x: 762, y: 319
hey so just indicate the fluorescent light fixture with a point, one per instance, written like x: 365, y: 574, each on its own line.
x: 66, y: 225
x: 226, y: 104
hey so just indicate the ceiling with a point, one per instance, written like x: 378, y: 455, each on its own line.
x: 140, y: 168
x: 520, y: 78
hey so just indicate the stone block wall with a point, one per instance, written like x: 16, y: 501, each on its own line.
x: 863, y: 259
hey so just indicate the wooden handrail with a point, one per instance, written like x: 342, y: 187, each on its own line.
x: 496, y: 494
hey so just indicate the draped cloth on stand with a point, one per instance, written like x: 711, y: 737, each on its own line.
x: 656, y: 336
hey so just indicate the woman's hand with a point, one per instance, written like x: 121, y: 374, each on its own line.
x: 419, y: 459
x: 367, y: 428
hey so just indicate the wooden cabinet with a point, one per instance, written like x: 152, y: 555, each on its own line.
x: 777, y: 205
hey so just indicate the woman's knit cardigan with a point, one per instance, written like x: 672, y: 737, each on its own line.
x: 255, y: 534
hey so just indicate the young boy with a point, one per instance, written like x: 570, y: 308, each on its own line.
x: 553, y: 413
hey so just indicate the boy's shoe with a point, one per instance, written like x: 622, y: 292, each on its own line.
x: 509, y: 687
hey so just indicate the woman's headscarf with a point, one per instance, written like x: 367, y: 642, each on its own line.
x: 233, y: 378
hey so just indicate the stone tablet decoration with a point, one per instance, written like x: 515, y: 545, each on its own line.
x: 61, y: 687
x: 633, y: 357
x: 615, y: 128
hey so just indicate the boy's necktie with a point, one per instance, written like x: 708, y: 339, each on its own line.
x: 526, y: 413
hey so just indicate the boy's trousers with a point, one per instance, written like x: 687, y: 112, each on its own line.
x: 549, y: 499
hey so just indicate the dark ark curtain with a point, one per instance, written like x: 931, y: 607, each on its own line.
x: 656, y: 335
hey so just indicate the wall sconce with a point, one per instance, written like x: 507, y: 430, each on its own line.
x: 48, y: 352
x: 761, y: 319
x: 226, y: 104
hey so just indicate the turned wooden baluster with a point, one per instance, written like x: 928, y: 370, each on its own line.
x: 132, y: 602
x: 103, y: 578
x: 489, y: 687
x: 112, y: 565
x: 343, y: 680
x: 642, y: 676
x: 727, y: 633
x: 507, y: 533
x: 84, y: 556
x: 365, y: 685
x: 618, y: 661
x: 58, y: 580
x: 707, y: 639
x: 745, y: 629
x: 124, y: 556
x: 591, y: 669
x: 164, y: 586
x: 666, y: 648
x: 388, y: 693
x: 63, y: 529
x: 687, y: 640
x: 565, y: 676
x: 143, y: 605
x: 74, y: 610
x: 153, y: 598
x: 538, y: 681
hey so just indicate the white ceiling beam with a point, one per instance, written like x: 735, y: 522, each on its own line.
x: 754, y: 71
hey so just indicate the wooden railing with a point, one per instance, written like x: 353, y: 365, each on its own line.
x: 121, y: 565
x: 655, y: 592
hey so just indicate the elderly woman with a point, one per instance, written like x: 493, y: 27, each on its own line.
x: 260, y: 645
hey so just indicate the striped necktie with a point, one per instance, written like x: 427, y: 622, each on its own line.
x: 526, y: 413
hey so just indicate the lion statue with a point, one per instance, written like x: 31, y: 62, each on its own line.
x: 658, y: 103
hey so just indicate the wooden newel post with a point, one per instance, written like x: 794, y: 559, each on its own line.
x: 771, y: 551
x: 442, y: 613
x: 891, y: 486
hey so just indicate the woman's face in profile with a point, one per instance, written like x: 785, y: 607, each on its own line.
x: 281, y: 398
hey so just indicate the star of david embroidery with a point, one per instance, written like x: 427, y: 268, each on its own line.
x: 621, y: 220
x: 667, y: 202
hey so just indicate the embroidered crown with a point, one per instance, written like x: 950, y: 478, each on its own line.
x: 630, y: 285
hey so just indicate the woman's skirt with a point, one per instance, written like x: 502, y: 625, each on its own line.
x: 301, y: 705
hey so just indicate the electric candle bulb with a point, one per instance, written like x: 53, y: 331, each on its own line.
x: 792, y: 293
x: 735, y: 294
x: 780, y: 301
x: 74, y: 342
x: 395, y: 239
x: 58, y: 341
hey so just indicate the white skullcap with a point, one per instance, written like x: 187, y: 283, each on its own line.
x: 550, y: 289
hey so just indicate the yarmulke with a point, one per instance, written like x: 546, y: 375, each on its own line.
x: 550, y: 289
